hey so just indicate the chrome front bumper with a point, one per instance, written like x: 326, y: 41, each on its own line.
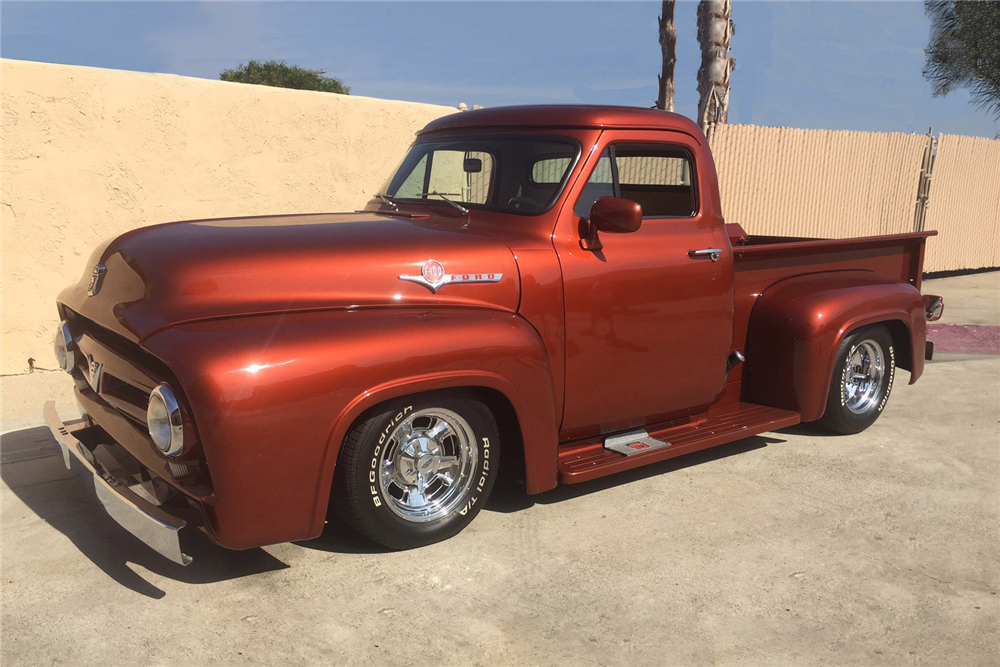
x: 149, y: 523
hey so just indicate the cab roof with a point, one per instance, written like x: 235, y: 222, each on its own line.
x: 566, y: 116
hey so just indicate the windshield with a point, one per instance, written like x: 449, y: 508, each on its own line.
x: 511, y: 174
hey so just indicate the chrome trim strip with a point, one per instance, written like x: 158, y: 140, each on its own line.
x: 158, y: 529
x: 453, y: 279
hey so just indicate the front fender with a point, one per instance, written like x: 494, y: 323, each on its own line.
x: 797, y: 325
x: 274, y: 396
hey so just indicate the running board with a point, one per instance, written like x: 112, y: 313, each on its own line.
x: 585, y: 461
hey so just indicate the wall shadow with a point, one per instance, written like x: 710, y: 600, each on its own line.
x: 46, y: 488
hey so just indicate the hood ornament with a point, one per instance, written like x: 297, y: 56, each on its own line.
x: 433, y: 277
x: 96, y: 277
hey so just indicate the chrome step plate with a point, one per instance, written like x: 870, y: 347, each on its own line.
x: 633, y: 442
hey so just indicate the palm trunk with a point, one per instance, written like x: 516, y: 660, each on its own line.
x: 668, y: 45
x: 715, y: 29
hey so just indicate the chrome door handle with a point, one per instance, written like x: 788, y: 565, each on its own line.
x: 712, y: 253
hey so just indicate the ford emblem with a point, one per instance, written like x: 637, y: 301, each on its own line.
x: 96, y: 277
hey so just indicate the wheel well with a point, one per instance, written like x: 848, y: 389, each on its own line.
x: 512, y: 464
x: 512, y: 443
x: 900, y: 334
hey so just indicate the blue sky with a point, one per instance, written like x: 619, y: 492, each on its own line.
x: 833, y: 65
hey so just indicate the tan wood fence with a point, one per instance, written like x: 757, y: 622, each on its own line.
x: 837, y: 184
x: 964, y: 204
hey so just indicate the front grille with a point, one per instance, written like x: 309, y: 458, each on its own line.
x: 116, y: 369
x: 130, y: 399
x: 115, y: 377
x: 121, y: 375
x: 123, y: 347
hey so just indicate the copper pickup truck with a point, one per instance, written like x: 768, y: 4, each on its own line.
x: 550, y: 292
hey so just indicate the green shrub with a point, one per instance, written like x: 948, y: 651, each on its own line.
x: 282, y: 75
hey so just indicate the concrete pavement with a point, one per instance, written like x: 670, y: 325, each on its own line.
x: 971, y: 320
x: 792, y: 548
x: 970, y: 299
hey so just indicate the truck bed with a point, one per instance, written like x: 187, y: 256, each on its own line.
x: 762, y: 261
x: 898, y: 256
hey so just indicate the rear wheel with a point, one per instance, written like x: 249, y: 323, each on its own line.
x: 417, y: 471
x: 862, y: 380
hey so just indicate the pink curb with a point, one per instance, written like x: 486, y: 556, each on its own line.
x: 969, y: 338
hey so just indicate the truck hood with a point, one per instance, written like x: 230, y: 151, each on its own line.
x: 160, y: 276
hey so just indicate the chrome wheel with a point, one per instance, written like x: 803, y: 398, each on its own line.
x: 426, y: 467
x: 863, y: 377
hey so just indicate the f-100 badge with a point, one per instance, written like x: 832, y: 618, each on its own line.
x: 433, y: 277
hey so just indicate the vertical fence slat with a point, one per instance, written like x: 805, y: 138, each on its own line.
x: 964, y: 204
x: 820, y: 183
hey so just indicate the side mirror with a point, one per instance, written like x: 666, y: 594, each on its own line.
x: 609, y: 214
x: 616, y: 215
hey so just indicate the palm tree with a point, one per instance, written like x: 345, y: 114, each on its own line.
x: 668, y: 45
x: 715, y: 29
x: 964, y: 50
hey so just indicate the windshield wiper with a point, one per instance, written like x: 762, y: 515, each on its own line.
x: 435, y: 193
x: 386, y: 200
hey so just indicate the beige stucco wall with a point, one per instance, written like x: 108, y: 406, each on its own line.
x: 90, y: 153
x: 87, y: 154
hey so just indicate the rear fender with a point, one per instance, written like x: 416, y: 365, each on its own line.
x: 275, y: 396
x: 797, y: 325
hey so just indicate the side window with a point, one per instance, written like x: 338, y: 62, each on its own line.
x: 600, y: 184
x: 660, y: 178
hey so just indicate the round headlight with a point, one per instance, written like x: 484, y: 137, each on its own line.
x: 64, y: 346
x: 166, y: 426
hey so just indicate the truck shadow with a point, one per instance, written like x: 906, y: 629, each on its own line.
x: 338, y: 538
x: 512, y: 497
x: 809, y: 429
x: 51, y: 492
x: 46, y: 488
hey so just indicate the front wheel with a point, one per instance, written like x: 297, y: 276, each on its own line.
x: 417, y: 471
x: 862, y: 380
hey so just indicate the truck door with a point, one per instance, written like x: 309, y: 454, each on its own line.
x: 649, y: 317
